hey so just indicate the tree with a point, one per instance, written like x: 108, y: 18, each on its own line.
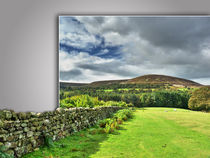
x: 200, y: 99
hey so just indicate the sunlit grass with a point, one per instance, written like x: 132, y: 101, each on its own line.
x: 152, y: 133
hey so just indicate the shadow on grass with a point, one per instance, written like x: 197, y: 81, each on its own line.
x: 78, y: 145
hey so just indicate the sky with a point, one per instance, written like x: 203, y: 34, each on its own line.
x: 94, y: 48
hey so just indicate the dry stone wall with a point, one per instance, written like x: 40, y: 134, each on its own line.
x: 21, y: 133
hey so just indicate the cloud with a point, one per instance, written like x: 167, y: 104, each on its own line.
x: 204, y: 81
x: 72, y: 74
x: 102, y: 52
x: 177, y: 46
x: 73, y: 33
x: 83, y: 67
x: 114, y: 67
x: 79, y: 40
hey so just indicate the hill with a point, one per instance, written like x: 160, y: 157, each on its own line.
x: 108, y: 82
x: 151, y: 79
x: 69, y: 84
x: 163, y: 79
x: 146, y: 79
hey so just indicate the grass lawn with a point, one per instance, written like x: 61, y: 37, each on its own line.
x: 152, y: 133
x: 79, y: 145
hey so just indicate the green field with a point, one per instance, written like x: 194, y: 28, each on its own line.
x: 152, y: 133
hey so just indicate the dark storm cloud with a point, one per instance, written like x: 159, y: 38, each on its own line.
x: 180, y: 41
x: 176, y: 32
x: 73, y: 74
x: 195, y: 71
x: 110, y: 68
x: 173, y: 32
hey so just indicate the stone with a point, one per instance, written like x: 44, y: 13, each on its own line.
x: 26, y: 129
x: 14, y: 115
x: 1, y: 123
x: 2, y: 115
x: 17, y: 125
x: 8, y: 114
x: 12, y: 129
x: 28, y: 115
x: 33, y: 128
x: 18, y: 132
x: 35, y: 123
x: 13, y: 144
x: 41, y: 122
x: 3, y: 137
x: 19, y: 128
x: 21, y: 136
x: 28, y: 148
x: 3, y: 131
x: 22, y: 115
x: 44, y: 128
x: 26, y: 121
x: 38, y: 114
x: 19, y: 143
x: 54, y: 137
x: 11, y: 138
x: 7, y: 145
x: 46, y: 122
x: 30, y: 134
x: 8, y: 124
x: 54, y: 128
x: 38, y: 133
x: 33, y: 114
x: 38, y: 128
x: 23, y: 124
x: 33, y: 142
x: 19, y: 151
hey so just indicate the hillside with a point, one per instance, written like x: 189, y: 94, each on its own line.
x: 151, y: 79
x: 69, y: 84
x: 146, y: 79
x: 162, y: 79
x: 108, y: 82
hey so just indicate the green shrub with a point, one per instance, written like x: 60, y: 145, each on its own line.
x: 108, y: 129
x: 80, y: 101
x: 102, y: 123
x: 115, y: 103
x: 87, y: 101
x: 123, y: 114
x: 200, y: 99
x: 110, y: 124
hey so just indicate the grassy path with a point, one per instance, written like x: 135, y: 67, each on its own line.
x: 153, y: 133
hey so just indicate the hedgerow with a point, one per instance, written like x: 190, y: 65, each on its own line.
x: 88, y: 101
